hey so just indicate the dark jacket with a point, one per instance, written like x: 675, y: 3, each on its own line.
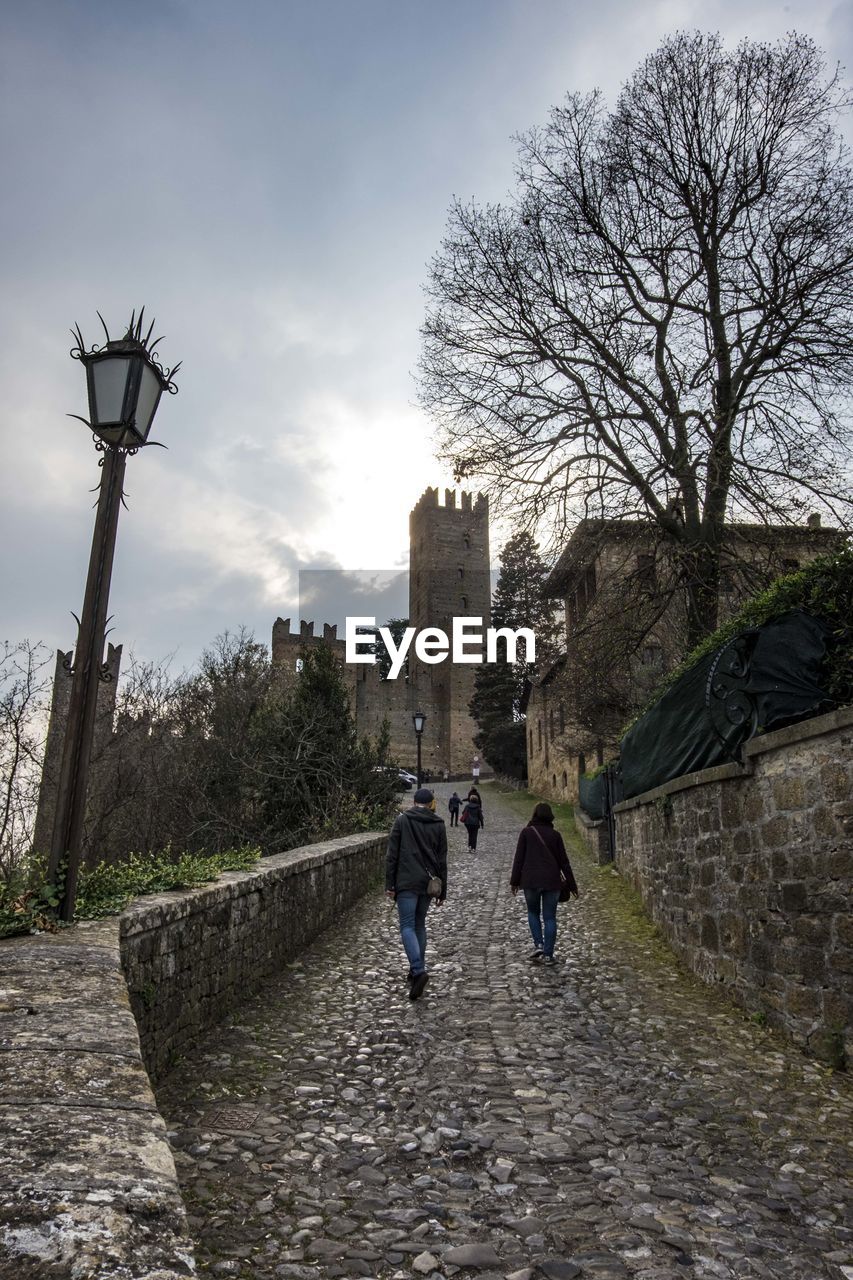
x: 417, y: 849
x: 537, y: 865
x: 454, y: 803
x: 472, y: 814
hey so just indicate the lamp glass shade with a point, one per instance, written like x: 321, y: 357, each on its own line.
x: 150, y: 390
x: 108, y: 388
x: 419, y: 720
x: 124, y: 391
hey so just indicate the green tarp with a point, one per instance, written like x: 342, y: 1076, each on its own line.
x: 766, y: 678
x: 592, y: 795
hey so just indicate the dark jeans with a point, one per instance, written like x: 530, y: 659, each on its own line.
x: 542, y: 906
x: 454, y: 817
x: 473, y: 832
x: 412, y: 908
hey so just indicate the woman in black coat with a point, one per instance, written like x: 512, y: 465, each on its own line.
x: 541, y: 868
x: 472, y: 816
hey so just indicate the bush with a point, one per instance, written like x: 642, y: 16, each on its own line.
x: 108, y: 888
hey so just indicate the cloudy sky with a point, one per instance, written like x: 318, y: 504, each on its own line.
x: 270, y: 179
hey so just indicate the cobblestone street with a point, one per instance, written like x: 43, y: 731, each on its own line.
x: 605, y: 1118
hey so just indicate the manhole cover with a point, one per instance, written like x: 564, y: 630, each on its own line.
x: 228, y: 1119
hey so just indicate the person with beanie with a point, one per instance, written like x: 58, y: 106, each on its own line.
x: 417, y: 853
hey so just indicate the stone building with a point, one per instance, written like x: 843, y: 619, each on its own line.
x: 449, y: 577
x: 612, y: 580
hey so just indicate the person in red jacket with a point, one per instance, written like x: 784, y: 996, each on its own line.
x: 541, y: 868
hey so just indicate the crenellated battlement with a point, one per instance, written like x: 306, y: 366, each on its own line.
x: 477, y: 504
x: 284, y: 633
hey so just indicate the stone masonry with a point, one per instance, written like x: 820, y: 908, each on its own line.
x: 748, y: 871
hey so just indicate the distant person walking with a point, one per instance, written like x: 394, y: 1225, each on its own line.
x: 541, y: 868
x: 415, y: 864
x: 472, y: 817
x: 454, y: 804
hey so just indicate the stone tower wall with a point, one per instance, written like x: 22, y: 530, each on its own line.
x: 449, y: 577
x: 287, y: 646
x: 377, y: 699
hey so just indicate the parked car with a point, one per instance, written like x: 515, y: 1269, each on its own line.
x: 412, y: 777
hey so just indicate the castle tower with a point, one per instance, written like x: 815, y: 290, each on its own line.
x: 448, y: 578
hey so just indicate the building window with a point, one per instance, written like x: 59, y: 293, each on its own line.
x: 539, y: 733
x: 790, y: 566
x: 461, y: 572
x: 464, y: 602
x: 554, y: 781
x: 565, y: 779
x: 531, y: 742
x: 584, y: 593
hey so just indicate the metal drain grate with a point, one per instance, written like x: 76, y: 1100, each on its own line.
x: 231, y: 1119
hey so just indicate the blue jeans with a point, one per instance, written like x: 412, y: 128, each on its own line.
x: 542, y: 904
x: 413, y: 908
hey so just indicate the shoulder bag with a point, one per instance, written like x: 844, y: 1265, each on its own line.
x: 433, y: 888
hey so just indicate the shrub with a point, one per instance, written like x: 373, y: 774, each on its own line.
x: 107, y: 888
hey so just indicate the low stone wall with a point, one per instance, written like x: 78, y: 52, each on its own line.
x: 595, y: 834
x: 747, y: 870
x: 189, y: 957
x: 87, y: 1180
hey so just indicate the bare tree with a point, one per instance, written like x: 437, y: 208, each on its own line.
x: 658, y: 324
x: 24, y: 694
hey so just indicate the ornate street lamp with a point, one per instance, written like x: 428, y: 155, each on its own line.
x: 419, y: 720
x: 125, y: 381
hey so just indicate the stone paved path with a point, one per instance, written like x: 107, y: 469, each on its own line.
x: 604, y: 1119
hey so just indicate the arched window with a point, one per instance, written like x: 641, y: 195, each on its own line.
x: 565, y: 779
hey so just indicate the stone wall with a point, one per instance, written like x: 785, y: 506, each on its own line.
x: 748, y: 871
x: 87, y: 1180
x: 189, y: 957
x: 596, y: 836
